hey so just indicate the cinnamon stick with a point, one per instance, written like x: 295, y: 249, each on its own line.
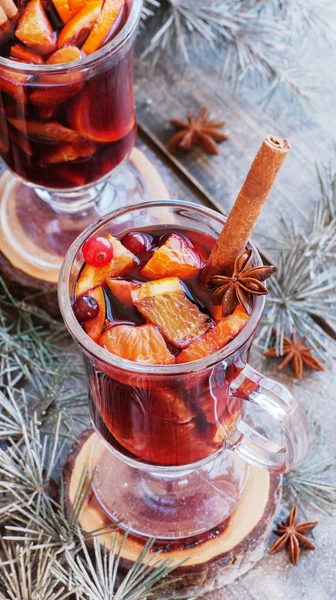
x: 247, y: 208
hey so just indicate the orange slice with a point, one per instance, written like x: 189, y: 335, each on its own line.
x: 63, y: 9
x: 69, y: 153
x: 143, y: 344
x: 165, y: 304
x: 216, y: 338
x: 123, y: 260
x: 217, y: 312
x: 51, y: 132
x: 34, y: 28
x: 66, y: 54
x: 94, y: 327
x: 170, y: 405
x: 77, y: 29
x: 93, y: 115
x: 76, y: 5
x: 122, y: 290
x: 177, y: 257
x: 107, y: 18
x: 26, y: 55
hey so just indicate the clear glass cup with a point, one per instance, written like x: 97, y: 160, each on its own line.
x: 174, y: 437
x: 65, y: 129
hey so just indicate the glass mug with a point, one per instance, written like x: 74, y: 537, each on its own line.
x: 66, y: 135
x: 66, y: 127
x: 167, y: 432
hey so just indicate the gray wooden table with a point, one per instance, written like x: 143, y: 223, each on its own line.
x: 215, y: 181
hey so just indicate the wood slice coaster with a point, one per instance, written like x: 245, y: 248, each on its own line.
x: 32, y: 246
x: 213, y: 561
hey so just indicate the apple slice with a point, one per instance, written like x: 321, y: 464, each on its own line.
x: 177, y: 257
x: 63, y: 9
x: 123, y: 260
x: 53, y: 96
x: 75, y: 176
x: 216, y: 338
x: 77, y: 29
x: 25, y: 55
x: 34, y: 28
x: 66, y: 54
x: 95, y: 326
x: 143, y: 344
x: 69, y: 153
x: 47, y: 112
x: 13, y: 84
x: 108, y: 17
x: 4, y: 138
x: 51, y: 132
x: 165, y: 304
x: 20, y: 141
x: 122, y: 290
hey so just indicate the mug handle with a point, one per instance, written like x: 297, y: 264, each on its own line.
x: 279, y: 403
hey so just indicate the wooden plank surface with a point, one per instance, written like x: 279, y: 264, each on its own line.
x: 170, y: 91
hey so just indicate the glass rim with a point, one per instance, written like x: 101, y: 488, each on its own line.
x: 91, y: 347
x: 88, y: 61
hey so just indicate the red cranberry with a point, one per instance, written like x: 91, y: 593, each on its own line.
x: 85, y: 308
x: 138, y: 243
x: 97, y: 252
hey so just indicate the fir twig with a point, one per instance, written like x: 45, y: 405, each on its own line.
x: 312, y: 481
x: 240, y: 31
x: 97, y: 577
x: 26, y: 573
x: 304, y: 285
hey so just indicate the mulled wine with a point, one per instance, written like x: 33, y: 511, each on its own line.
x: 64, y: 125
x: 139, y: 297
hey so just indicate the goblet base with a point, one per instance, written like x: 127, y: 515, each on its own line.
x: 37, y: 227
x: 168, y: 504
x: 210, y: 561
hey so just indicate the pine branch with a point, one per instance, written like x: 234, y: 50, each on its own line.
x: 304, y: 285
x: 313, y: 481
x: 240, y: 30
x: 27, y: 467
x: 26, y: 573
x: 96, y: 577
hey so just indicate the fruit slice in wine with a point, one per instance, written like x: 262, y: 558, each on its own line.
x: 165, y: 304
x: 177, y: 257
x: 122, y: 261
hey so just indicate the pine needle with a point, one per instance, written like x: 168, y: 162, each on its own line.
x: 240, y: 32
x: 312, y: 482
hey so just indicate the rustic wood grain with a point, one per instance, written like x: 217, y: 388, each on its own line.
x: 171, y: 90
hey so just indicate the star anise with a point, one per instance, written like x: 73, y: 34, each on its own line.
x: 198, y: 131
x: 297, y: 354
x: 242, y: 286
x: 291, y: 536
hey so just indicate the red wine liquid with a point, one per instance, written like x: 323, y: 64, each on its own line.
x: 100, y: 108
x: 164, y: 419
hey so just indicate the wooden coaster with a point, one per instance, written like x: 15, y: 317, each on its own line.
x: 225, y: 553
x: 31, y: 221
